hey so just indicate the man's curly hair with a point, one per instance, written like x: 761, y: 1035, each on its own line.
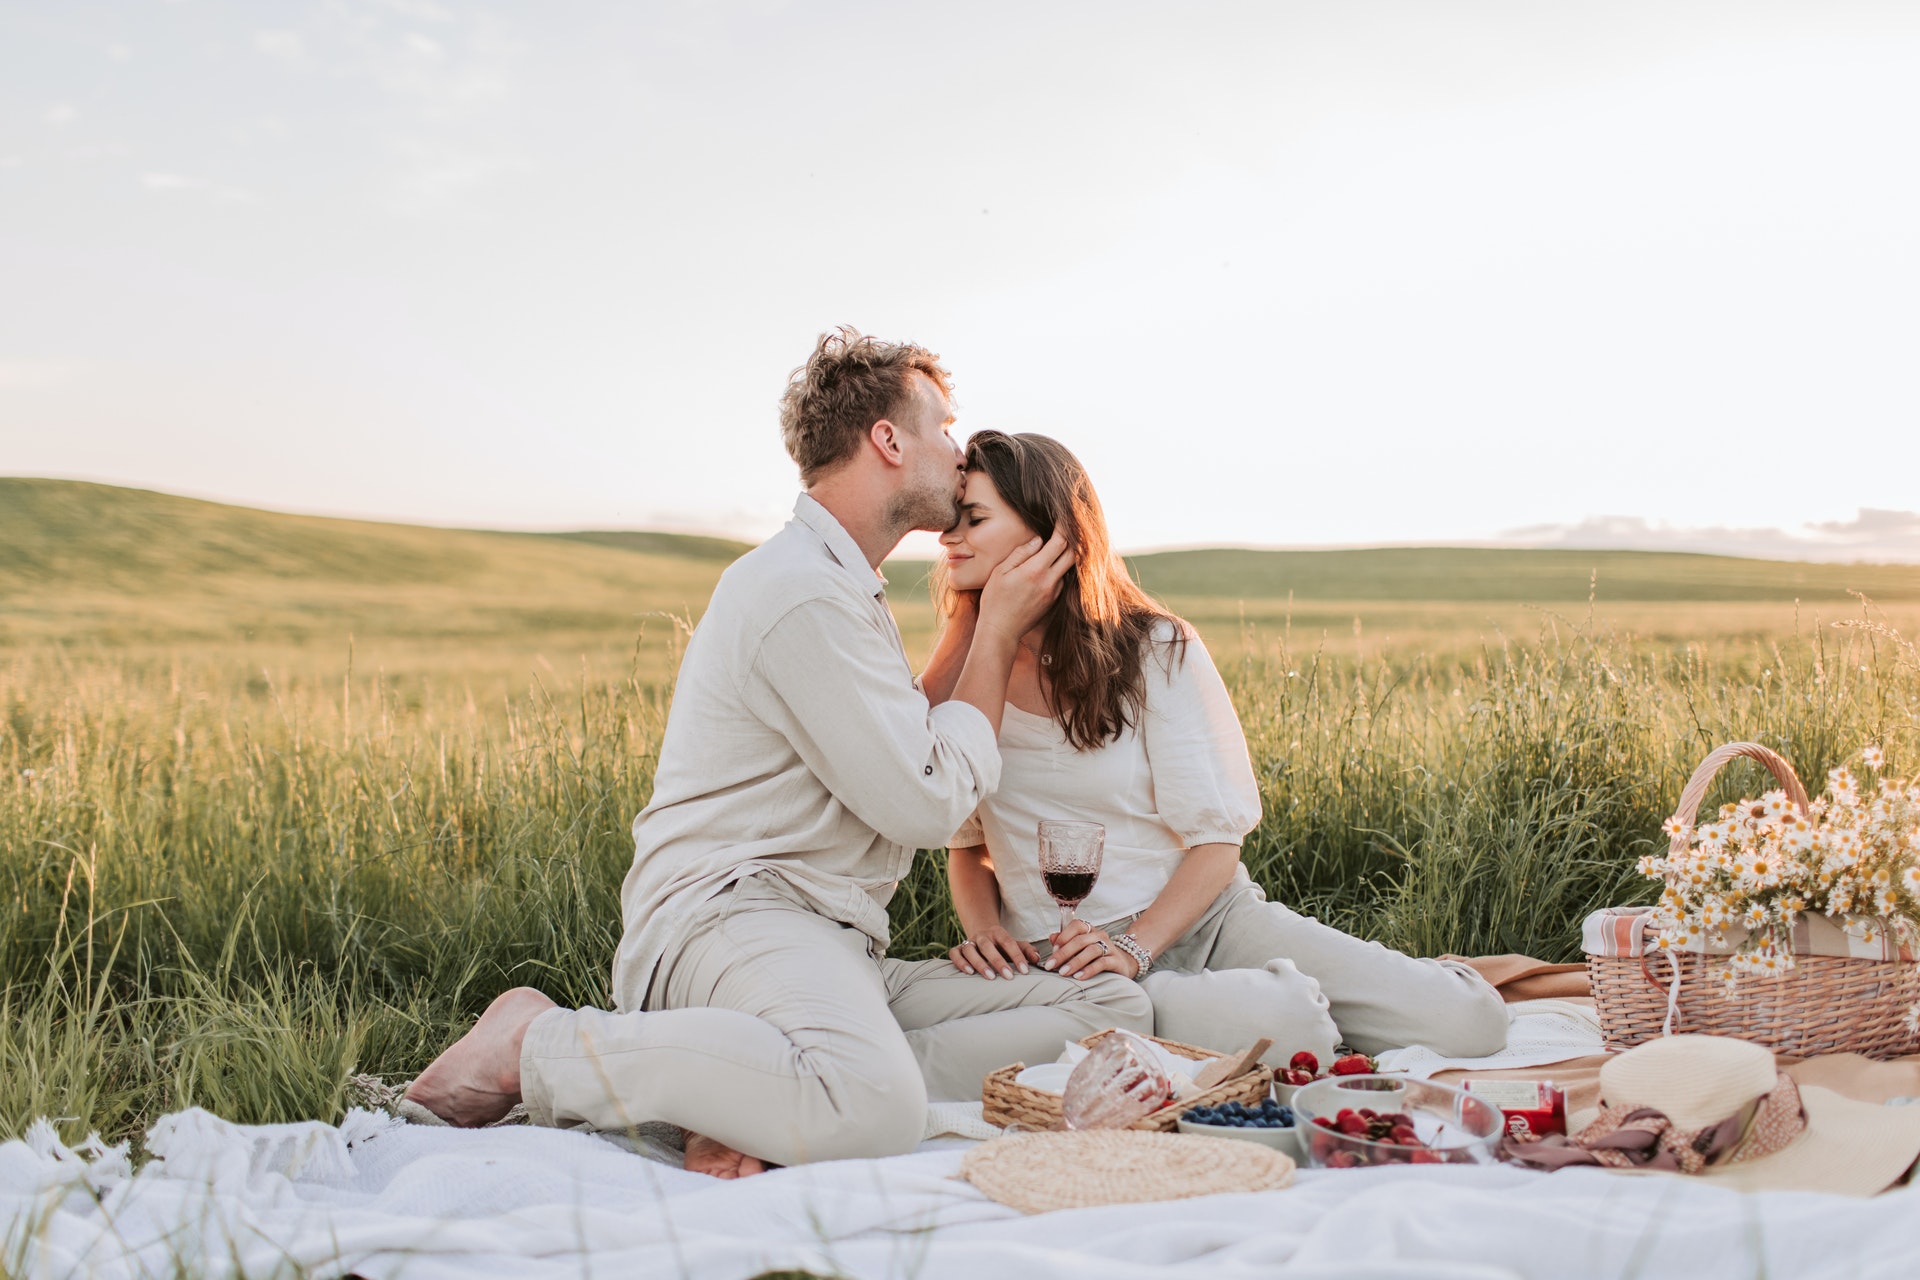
x: 850, y: 382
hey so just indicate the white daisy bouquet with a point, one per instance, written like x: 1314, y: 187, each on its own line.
x: 1738, y: 883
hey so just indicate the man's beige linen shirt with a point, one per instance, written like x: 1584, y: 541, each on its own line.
x: 798, y: 745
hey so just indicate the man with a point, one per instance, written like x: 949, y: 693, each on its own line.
x: 801, y: 768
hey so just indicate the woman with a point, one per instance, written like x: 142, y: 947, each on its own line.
x: 1116, y: 715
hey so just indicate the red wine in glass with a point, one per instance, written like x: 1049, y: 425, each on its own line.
x: 1070, y: 862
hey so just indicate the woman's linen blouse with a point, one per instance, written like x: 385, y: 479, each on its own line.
x: 1178, y: 778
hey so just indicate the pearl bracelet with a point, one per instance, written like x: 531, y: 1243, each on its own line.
x: 1135, y: 948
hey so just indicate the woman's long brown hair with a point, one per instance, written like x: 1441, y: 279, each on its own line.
x: 1097, y: 637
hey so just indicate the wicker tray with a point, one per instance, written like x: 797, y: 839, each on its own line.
x: 1824, y: 1004
x: 1004, y: 1103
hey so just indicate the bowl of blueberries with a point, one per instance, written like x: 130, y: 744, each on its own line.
x: 1270, y: 1124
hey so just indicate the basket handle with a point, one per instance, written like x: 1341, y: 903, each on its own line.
x: 1696, y: 788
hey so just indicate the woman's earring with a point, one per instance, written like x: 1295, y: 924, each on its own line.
x: 1046, y: 659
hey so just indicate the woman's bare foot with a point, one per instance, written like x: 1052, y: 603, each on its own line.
x: 477, y: 1081
x: 711, y: 1156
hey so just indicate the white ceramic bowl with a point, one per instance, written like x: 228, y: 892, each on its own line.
x: 1287, y: 1140
x: 1379, y: 1098
x: 1382, y: 1093
x: 1048, y: 1077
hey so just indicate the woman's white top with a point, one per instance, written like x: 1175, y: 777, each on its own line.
x: 1180, y: 777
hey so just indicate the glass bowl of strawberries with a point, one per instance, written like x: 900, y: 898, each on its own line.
x: 1304, y: 1068
x: 1425, y: 1123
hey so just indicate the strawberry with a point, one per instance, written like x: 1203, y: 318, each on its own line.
x: 1304, y: 1061
x: 1295, y: 1076
x: 1423, y: 1155
x: 1351, y: 1124
x: 1343, y: 1160
x: 1354, y: 1064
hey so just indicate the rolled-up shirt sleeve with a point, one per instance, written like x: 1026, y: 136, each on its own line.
x: 1203, y: 782
x: 834, y: 686
x: 971, y: 833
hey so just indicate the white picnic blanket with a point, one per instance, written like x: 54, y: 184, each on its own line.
x: 384, y: 1200
x: 1538, y: 1032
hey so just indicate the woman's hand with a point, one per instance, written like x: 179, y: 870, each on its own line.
x: 995, y: 953
x: 1080, y: 951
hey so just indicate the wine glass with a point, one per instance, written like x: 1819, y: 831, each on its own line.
x: 1118, y: 1082
x: 1070, y: 862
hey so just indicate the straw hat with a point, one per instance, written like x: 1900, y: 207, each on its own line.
x: 1722, y: 1109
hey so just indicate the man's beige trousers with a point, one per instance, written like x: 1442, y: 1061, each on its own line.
x: 774, y: 1031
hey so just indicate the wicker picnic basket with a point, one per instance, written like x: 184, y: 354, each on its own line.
x: 1824, y: 1004
x: 1007, y: 1104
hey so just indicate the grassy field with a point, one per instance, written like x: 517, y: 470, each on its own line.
x: 285, y: 798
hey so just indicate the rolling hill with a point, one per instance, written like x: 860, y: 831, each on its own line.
x: 96, y: 564
x: 107, y: 566
x: 1513, y: 575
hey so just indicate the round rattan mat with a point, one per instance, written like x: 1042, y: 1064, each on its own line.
x: 1041, y: 1172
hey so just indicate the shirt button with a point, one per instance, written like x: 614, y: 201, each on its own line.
x: 929, y: 771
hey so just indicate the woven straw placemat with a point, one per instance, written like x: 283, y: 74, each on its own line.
x: 1041, y: 1172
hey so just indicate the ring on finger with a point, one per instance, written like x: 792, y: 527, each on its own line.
x: 1104, y: 948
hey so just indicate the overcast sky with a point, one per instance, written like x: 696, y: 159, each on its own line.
x: 1280, y: 273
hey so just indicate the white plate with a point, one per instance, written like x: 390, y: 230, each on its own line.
x: 1048, y: 1077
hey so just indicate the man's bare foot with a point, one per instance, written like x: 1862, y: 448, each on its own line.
x: 477, y: 1081
x: 711, y: 1156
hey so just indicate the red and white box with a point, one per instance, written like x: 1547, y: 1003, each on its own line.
x: 1533, y: 1108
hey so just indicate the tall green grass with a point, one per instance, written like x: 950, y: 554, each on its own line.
x: 234, y: 888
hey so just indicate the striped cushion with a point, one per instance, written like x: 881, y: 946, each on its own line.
x: 1627, y: 931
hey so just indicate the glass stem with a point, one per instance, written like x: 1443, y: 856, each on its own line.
x: 1066, y: 917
